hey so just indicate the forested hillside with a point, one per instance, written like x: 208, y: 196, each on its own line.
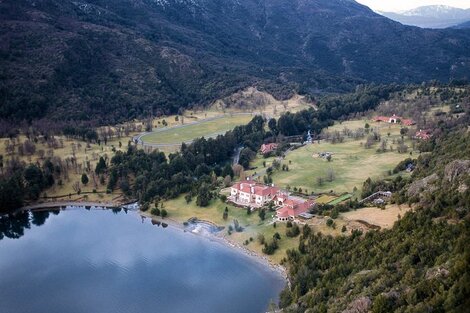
x: 420, y: 265
x: 99, y: 61
x: 146, y: 176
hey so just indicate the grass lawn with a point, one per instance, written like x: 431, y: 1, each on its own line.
x: 352, y: 164
x: 340, y: 199
x: 190, y: 132
x: 325, y: 199
x: 257, y: 164
x: 180, y: 211
x: 84, y: 154
x: 353, y: 124
x: 318, y: 225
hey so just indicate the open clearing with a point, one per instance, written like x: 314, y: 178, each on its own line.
x: 362, y: 219
x: 351, y: 162
x: 376, y: 216
x: 189, y: 132
x: 253, y: 100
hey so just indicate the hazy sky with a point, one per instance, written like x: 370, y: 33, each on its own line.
x: 400, y: 5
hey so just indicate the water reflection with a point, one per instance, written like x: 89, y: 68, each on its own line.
x: 13, y: 226
x: 107, y: 261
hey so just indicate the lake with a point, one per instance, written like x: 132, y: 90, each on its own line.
x: 81, y: 261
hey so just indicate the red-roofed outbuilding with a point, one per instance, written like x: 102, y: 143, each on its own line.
x: 423, y: 134
x: 293, y: 208
x: 394, y: 119
x: 267, y: 148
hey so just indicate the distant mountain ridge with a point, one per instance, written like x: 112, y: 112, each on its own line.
x: 109, y: 60
x: 463, y: 25
x: 431, y: 16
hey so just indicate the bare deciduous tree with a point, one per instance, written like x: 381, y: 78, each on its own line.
x: 41, y: 154
x: 330, y: 174
x: 76, y: 186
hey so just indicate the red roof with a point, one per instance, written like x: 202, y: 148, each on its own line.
x: 266, y: 148
x: 242, y: 186
x: 294, y: 207
x: 258, y: 189
x: 408, y: 122
x: 283, y: 213
x: 423, y: 134
x: 265, y: 190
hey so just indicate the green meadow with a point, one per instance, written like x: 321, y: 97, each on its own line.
x: 351, y: 162
x: 177, y: 135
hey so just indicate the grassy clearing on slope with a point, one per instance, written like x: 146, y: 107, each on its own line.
x: 352, y: 163
x: 383, y: 218
x: 253, y: 100
x: 193, y: 131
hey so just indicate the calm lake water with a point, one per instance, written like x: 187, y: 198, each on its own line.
x: 82, y: 261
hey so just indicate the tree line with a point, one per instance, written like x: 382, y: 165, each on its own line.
x: 197, y: 167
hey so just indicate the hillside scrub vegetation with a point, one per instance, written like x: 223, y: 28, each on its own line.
x: 419, y: 265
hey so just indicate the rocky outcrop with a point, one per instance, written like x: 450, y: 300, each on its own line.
x: 437, y: 272
x: 456, y: 171
x: 426, y: 184
x: 360, y: 305
x: 454, y: 174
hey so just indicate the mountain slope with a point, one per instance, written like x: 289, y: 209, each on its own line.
x: 111, y: 60
x: 431, y: 16
x: 463, y: 25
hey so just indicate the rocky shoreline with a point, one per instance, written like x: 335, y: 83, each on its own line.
x: 222, y: 239
x: 257, y: 257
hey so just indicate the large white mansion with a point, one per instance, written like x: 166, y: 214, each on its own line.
x: 255, y: 195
